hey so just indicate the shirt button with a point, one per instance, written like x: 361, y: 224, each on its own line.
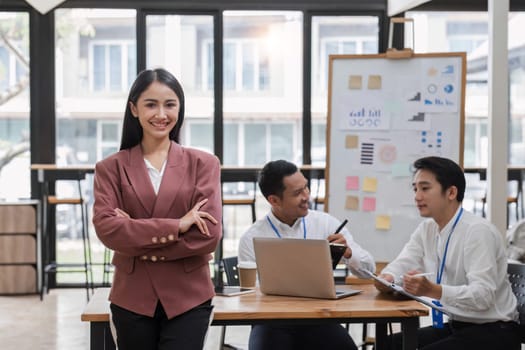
x: 144, y: 257
x: 171, y: 237
x: 163, y: 240
x: 153, y: 258
x: 162, y: 258
x: 154, y: 239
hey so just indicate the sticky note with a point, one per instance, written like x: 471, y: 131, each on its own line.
x: 374, y: 82
x: 383, y: 222
x: 369, y: 204
x: 351, y: 141
x: 400, y: 169
x: 352, y: 183
x: 355, y: 82
x: 370, y: 184
x: 352, y: 203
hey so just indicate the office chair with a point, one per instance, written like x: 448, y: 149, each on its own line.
x: 516, y: 274
x: 515, y: 193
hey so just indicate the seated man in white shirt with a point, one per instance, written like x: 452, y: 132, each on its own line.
x: 286, y: 189
x: 466, y: 255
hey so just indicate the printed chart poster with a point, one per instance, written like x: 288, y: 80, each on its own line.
x: 440, y: 86
x: 377, y: 153
x: 361, y: 112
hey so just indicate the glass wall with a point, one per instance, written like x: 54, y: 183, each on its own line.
x: 183, y: 44
x: 468, y: 32
x: 14, y: 106
x: 334, y: 35
x: 262, y: 68
x: 95, y: 63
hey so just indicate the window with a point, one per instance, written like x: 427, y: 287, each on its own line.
x: 468, y: 31
x: 334, y: 35
x: 198, y: 136
x: 14, y: 106
x: 246, y: 66
x: 109, y: 138
x: 95, y: 65
x: 262, y: 86
x: 183, y: 44
x: 112, y: 66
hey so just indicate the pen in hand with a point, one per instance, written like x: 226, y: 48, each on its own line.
x: 421, y: 274
x: 341, y: 226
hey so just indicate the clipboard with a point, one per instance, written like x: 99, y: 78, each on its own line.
x: 398, y: 289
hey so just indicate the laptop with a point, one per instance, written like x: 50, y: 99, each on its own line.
x: 296, y: 267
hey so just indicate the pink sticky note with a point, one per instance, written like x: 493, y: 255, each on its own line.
x: 369, y: 204
x: 352, y: 183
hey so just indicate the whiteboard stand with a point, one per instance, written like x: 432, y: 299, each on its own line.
x: 383, y: 114
x: 394, y: 53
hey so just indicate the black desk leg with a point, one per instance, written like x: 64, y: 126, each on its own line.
x: 409, y: 328
x: 381, y: 336
x: 101, y: 338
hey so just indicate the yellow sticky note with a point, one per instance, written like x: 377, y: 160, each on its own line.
x: 352, y: 203
x: 370, y: 184
x: 355, y: 82
x: 383, y: 222
x: 374, y: 82
x: 351, y: 141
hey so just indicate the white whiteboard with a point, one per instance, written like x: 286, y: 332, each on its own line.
x: 383, y: 114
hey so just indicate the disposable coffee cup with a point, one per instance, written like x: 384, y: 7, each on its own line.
x: 247, y: 274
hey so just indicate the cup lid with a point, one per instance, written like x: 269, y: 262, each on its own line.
x: 247, y: 265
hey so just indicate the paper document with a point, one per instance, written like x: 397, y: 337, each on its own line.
x: 397, y: 288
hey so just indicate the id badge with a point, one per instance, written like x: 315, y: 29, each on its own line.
x: 437, y: 316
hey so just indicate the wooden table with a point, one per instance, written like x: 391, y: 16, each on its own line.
x: 257, y: 308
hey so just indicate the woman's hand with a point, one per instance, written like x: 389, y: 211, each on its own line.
x: 196, y: 216
x: 121, y: 213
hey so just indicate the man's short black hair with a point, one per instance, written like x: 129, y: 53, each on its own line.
x: 272, y: 175
x: 447, y: 173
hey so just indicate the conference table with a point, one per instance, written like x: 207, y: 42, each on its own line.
x: 369, y: 306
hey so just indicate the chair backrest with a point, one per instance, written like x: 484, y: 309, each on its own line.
x: 516, y: 241
x: 516, y: 274
x: 230, y: 269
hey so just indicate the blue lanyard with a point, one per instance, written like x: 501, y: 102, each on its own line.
x: 277, y: 231
x: 442, y: 268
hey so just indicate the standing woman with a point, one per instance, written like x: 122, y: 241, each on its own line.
x: 158, y: 207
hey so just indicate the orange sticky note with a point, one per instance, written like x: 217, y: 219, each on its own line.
x: 374, y: 82
x: 351, y: 141
x: 355, y: 82
x: 352, y: 203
